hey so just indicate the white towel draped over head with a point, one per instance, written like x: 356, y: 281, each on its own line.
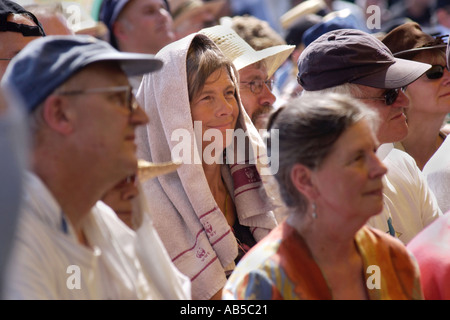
x: 188, y: 219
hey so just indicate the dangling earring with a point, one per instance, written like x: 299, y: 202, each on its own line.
x: 314, y: 214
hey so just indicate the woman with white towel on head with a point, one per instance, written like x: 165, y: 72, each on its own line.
x: 215, y: 206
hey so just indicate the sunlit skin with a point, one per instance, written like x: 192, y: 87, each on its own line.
x: 120, y: 199
x: 257, y: 105
x: 216, y: 106
x: 393, y: 126
x: 356, y: 173
x: 11, y: 43
x: 429, y: 104
x: 96, y: 120
x: 342, y: 207
x: 144, y: 26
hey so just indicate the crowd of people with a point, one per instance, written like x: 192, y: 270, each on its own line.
x: 207, y: 150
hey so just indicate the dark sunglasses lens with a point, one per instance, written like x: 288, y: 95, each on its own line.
x: 436, y: 72
x: 390, y: 96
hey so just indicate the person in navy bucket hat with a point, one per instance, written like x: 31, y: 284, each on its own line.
x: 143, y: 26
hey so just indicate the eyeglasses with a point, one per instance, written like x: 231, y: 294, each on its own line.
x: 435, y: 72
x: 126, y: 100
x: 256, y: 86
x: 389, y: 96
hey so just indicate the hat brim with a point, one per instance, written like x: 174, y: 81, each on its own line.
x: 149, y: 170
x: 439, y: 46
x: 273, y: 58
x: 133, y: 64
x: 397, y: 75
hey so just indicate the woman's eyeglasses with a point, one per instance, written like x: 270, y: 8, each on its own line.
x: 435, y: 72
x: 256, y: 86
x: 389, y: 96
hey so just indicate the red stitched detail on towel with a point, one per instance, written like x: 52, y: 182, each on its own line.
x: 195, y: 244
x: 245, y: 176
x: 205, y: 214
x: 209, y: 263
x: 223, y: 236
x: 257, y: 187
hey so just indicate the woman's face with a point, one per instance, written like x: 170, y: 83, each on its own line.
x: 349, y: 181
x: 216, y: 109
x: 430, y: 95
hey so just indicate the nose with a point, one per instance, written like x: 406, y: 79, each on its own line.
x: 377, y: 169
x: 446, y: 77
x: 266, y: 97
x: 138, y: 116
x: 224, y: 107
x: 402, y: 100
x: 130, y: 192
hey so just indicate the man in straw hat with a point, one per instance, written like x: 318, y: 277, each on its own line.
x: 356, y: 63
x: 143, y: 26
x: 255, y: 70
x: 82, y: 118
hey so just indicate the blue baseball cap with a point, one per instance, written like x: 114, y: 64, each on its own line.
x: 46, y: 63
x: 110, y: 10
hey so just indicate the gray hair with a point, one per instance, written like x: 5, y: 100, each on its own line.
x: 350, y: 89
x: 308, y: 128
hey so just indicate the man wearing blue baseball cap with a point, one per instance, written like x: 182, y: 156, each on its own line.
x: 143, y: 26
x: 82, y: 118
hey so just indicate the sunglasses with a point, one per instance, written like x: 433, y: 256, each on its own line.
x: 435, y: 72
x: 389, y: 96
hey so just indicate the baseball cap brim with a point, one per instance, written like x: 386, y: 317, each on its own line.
x: 133, y: 64
x: 397, y: 75
x: 439, y: 46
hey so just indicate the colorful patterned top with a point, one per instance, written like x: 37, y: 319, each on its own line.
x: 281, y: 267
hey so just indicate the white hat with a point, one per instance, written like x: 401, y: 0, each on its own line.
x: 149, y: 170
x: 242, y: 54
x: 303, y: 8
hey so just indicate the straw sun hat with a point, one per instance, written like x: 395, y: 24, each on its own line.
x: 149, y: 170
x: 242, y: 54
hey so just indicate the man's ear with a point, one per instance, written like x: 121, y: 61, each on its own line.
x: 120, y: 30
x: 57, y: 114
x: 301, y: 177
